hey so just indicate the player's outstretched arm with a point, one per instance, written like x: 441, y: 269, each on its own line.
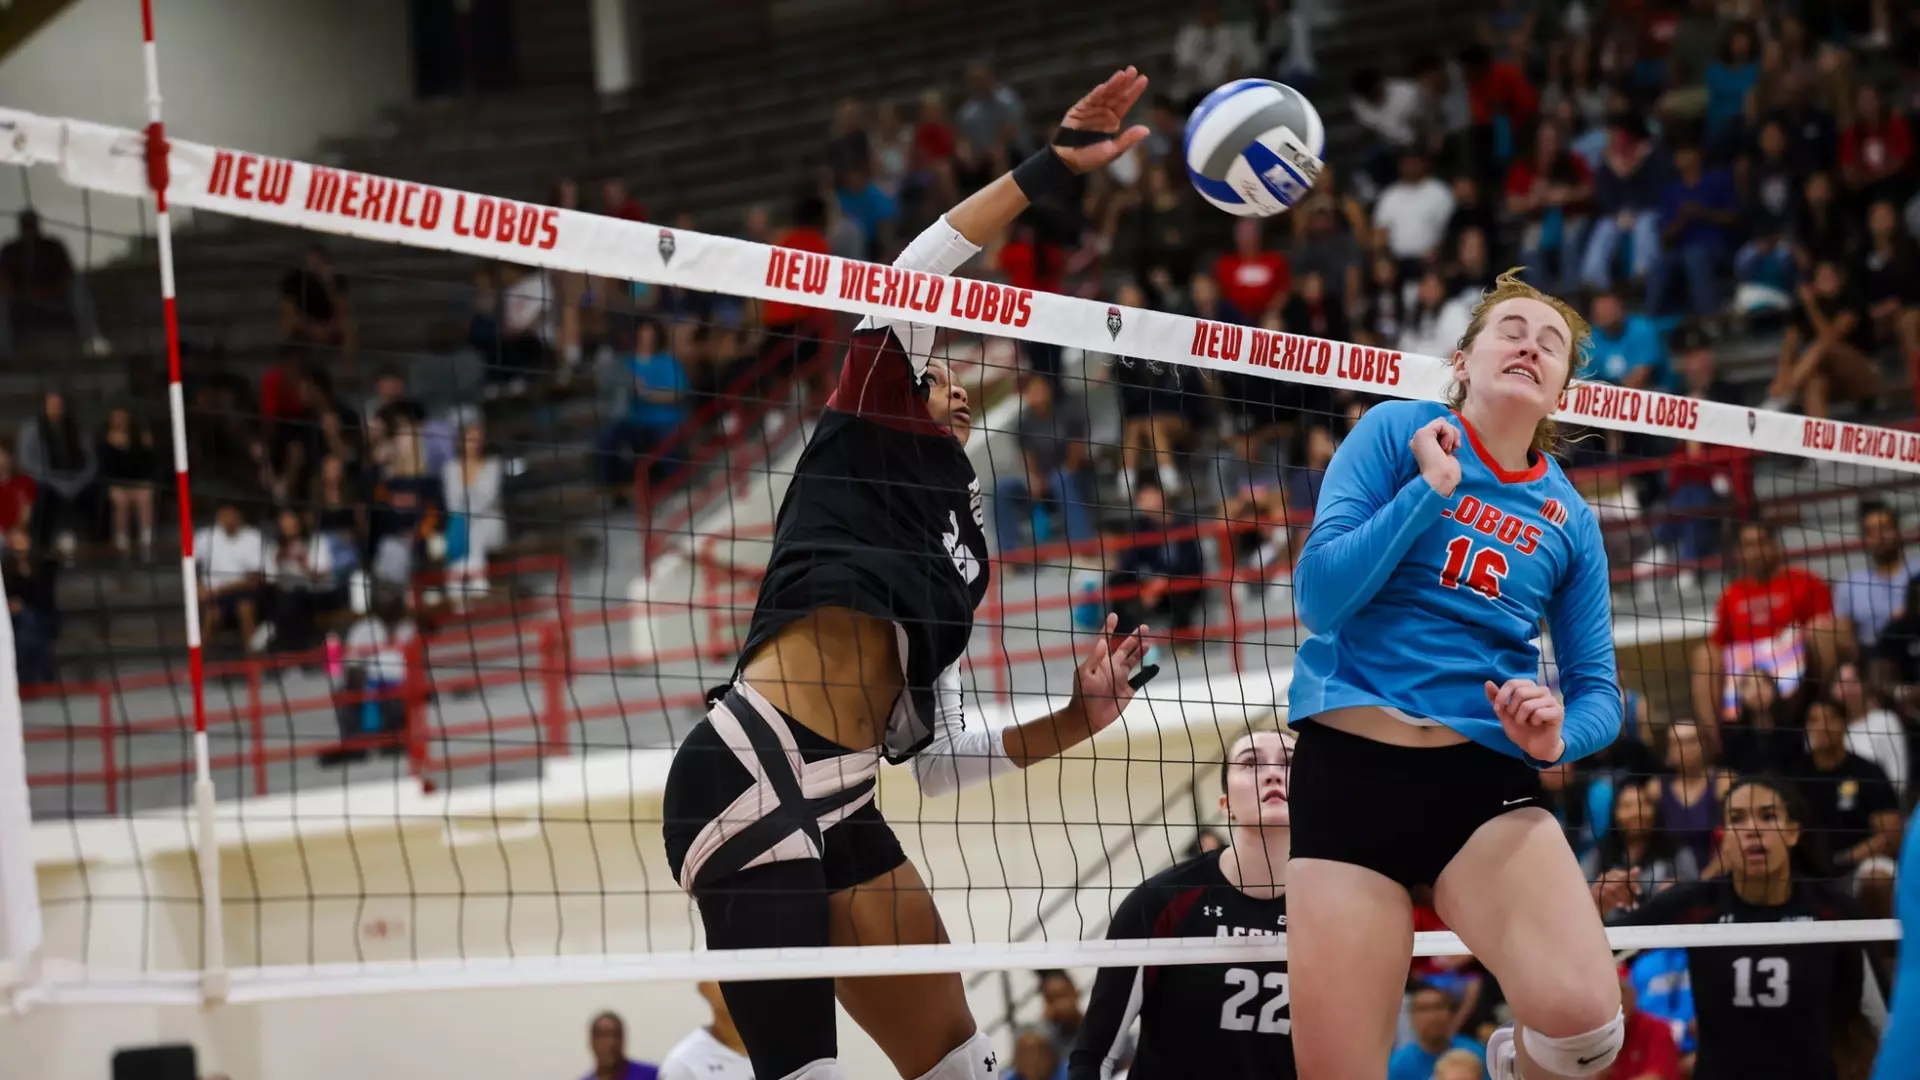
x: 1370, y: 513
x: 1580, y: 615
x: 1090, y: 137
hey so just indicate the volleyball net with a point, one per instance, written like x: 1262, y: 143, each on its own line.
x: 487, y: 489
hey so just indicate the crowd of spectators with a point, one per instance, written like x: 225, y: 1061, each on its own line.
x: 1701, y: 178
x: 1706, y: 180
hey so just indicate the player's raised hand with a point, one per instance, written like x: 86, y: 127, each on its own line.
x: 1433, y: 447
x: 1531, y: 716
x: 1102, y: 111
x: 1104, y: 685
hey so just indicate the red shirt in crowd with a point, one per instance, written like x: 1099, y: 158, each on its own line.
x: 1696, y: 464
x: 1647, y: 1051
x: 1524, y: 173
x: 1657, y: 32
x: 1502, y: 90
x: 933, y: 142
x: 1881, y: 149
x: 1752, y: 610
x: 1021, y: 262
x: 630, y: 209
x: 280, y: 393
x: 780, y: 313
x: 1253, y: 283
x: 17, y: 493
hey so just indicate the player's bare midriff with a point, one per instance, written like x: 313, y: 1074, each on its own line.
x: 835, y: 671
x: 1373, y: 722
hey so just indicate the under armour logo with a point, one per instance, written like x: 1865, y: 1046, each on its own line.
x: 964, y: 560
x: 1214, y: 909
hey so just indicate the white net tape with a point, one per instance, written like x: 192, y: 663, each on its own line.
x: 328, y: 200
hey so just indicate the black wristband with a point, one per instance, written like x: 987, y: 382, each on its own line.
x: 1072, y: 137
x: 1043, y: 175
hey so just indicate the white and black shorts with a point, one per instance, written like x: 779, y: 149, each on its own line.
x: 751, y: 787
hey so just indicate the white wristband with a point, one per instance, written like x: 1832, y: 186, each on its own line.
x: 939, y: 249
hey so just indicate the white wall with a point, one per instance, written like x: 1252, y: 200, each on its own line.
x: 534, y: 1034
x: 273, y: 77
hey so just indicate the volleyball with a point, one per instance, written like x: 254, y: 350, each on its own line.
x: 1254, y: 147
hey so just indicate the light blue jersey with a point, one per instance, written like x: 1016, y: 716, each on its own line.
x: 1900, y: 1043
x: 1415, y: 600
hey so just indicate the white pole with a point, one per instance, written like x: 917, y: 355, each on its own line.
x: 20, y: 926
x: 207, y: 845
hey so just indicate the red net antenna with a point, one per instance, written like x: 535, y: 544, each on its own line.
x: 214, y: 984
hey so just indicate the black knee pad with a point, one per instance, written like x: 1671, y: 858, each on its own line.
x: 785, y: 1023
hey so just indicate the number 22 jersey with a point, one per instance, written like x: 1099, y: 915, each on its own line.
x: 1220, y: 1021
x: 1415, y: 600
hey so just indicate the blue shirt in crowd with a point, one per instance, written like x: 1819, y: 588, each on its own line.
x: 656, y: 373
x: 1663, y: 987
x: 1613, y: 193
x: 635, y: 1070
x: 1635, y: 345
x: 869, y: 206
x: 1410, y: 1062
x: 1713, y: 191
x: 1727, y: 92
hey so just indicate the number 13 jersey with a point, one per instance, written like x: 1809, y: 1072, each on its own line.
x: 1765, y: 1012
x: 1220, y: 1021
x: 1415, y: 599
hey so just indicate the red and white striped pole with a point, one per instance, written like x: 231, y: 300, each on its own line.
x: 207, y: 846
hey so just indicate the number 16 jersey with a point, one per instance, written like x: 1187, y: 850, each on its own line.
x: 1416, y: 599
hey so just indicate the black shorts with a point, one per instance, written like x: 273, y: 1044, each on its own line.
x: 1400, y: 811
x: 734, y: 799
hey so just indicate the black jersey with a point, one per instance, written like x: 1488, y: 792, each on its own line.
x: 883, y: 517
x: 1220, y: 1021
x: 1765, y: 1012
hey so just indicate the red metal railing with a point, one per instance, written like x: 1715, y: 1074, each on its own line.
x: 486, y: 634
x: 486, y: 652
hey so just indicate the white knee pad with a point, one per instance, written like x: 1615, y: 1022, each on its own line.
x: 1577, y: 1055
x: 823, y: 1069
x: 971, y: 1060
